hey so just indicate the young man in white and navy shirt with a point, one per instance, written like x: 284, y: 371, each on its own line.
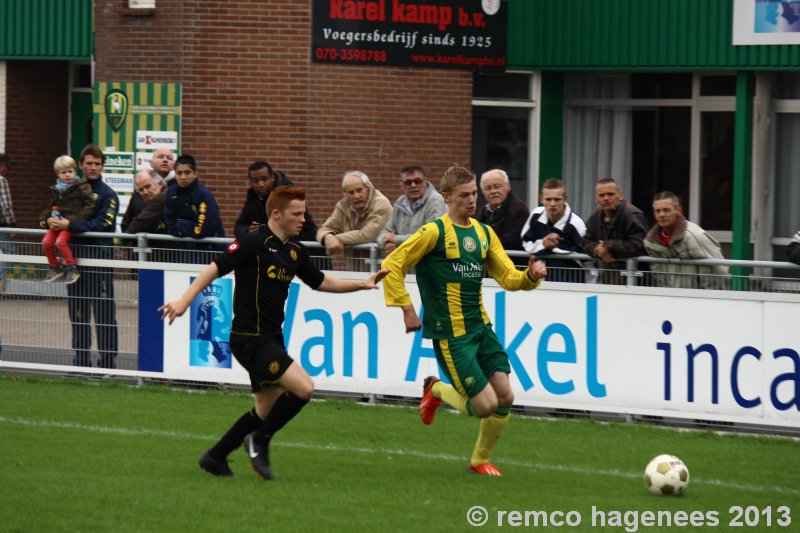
x: 553, y: 228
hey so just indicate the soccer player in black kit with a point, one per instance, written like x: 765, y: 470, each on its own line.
x: 264, y: 262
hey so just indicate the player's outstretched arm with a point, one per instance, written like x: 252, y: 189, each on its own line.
x: 176, y: 308
x: 537, y: 268
x: 334, y: 284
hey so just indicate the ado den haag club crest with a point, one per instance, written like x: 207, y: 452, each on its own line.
x: 116, y: 108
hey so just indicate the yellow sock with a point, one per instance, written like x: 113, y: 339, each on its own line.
x: 491, y: 429
x: 449, y: 395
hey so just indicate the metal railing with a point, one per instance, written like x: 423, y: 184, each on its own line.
x: 142, y: 248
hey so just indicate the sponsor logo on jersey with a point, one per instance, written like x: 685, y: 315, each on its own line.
x: 280, y: 274
x: 468, y: 270
x: 469, y: 244
x: 232, y: 247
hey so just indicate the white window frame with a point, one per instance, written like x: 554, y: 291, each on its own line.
x: 73, y: 89
x: 534, y: 90
x: 775, y: 107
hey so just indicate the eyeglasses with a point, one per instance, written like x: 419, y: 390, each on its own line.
x: 415, y: 181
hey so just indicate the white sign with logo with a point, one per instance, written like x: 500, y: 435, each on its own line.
x: 121, y: 183
x: 118, y: 161
x: 153, y: 140
x: 766, y: 22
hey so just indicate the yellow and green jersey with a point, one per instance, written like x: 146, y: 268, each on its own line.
x: 449, y: 261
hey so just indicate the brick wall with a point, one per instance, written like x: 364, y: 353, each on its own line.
x: 37, y: 132
x: 251, y: 92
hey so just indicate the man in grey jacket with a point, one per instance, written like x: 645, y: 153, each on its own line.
x: 419, y: 204
x: 675, y: 237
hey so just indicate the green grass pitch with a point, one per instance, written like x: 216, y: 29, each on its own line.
x: 105, y: 456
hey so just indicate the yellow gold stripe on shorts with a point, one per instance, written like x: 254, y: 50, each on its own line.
x: 451, y: 367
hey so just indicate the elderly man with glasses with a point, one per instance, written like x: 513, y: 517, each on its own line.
x: 419, y: 204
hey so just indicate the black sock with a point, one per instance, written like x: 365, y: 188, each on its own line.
x: 247, y: 423
x: 286, y: 407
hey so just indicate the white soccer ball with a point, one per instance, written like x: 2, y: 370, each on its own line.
x: 666, y: 475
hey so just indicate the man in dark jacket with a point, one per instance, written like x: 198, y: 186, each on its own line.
x: 94, y: 291
x: 503, y: 211
x: 190, y: 210
x: 614, y: 232
x: 145, y: 213
x: 263, y: 179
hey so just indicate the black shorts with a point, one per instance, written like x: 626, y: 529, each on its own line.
x: 264, y: 357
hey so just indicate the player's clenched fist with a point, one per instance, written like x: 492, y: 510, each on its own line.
x: 537, y: 268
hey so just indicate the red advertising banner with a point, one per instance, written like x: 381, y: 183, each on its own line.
x: 463, y: 34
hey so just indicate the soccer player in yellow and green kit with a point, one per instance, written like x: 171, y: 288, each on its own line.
x: 450, y: 254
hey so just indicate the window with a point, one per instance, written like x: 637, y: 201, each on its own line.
x: 82, y: 76
x: 80, y: 115
x: 717, y: 85
x: 502, y: 87
x: 716, y: 170
x: 658, y: 85
x: 502, y: 109
x: 638, y: 128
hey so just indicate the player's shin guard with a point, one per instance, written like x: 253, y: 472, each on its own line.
x: 247, y: 423
x: 285, y: 408
x: 449, y: 395
x: 491, y: 429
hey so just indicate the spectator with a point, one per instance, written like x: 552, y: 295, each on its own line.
x: 163, y: 164
x: 419, y: 204
x: 145, y: 213
x: 190, y: 209
x: 94, y: 291
x: 263, y: 181
x: 7, y: 219
x: 503, y: 211
x: 554, y: 229
x: 793, y: 251
x: 161, y: 169
x: 614, y: 232
x: 356, y: 219
x: 675, y: 237
x: 72, y: 199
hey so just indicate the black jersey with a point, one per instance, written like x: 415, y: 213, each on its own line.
x: 264, y: 266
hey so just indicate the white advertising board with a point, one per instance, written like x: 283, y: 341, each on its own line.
x: 707, y: 355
